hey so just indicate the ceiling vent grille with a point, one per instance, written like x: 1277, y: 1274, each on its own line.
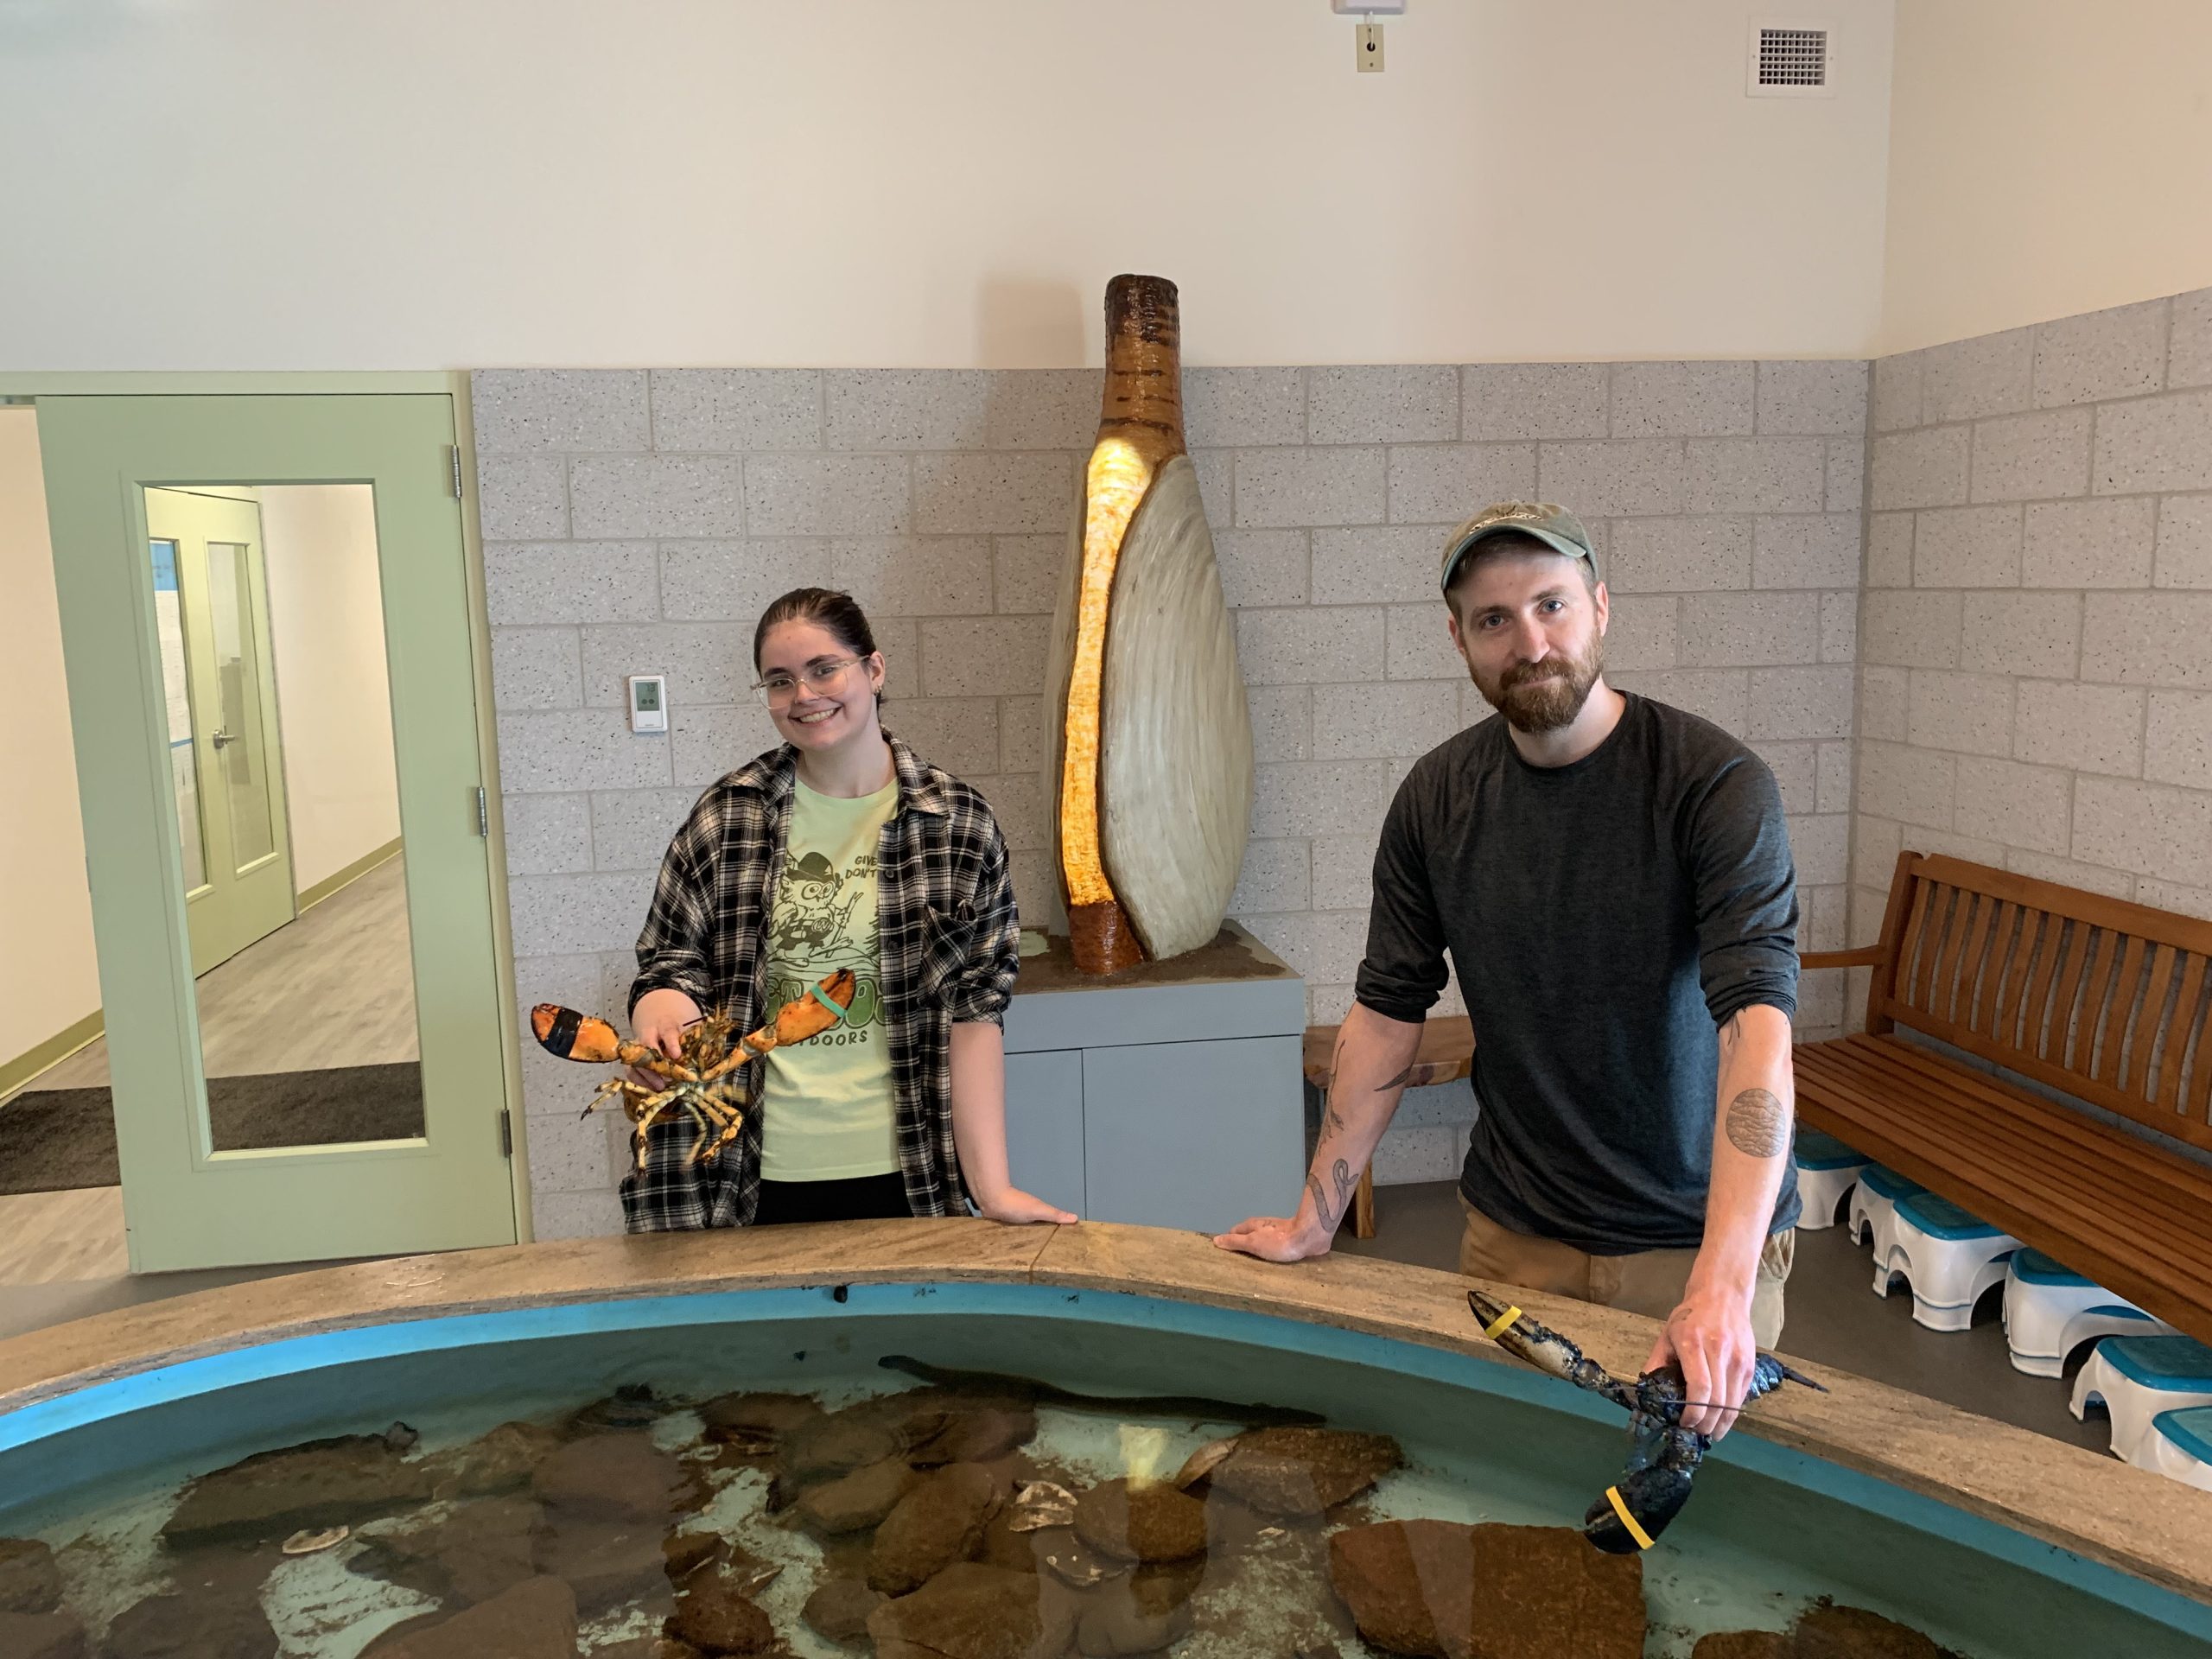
x: 1790, y: 60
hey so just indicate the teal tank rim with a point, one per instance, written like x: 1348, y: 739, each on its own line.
x: 117, y: 1397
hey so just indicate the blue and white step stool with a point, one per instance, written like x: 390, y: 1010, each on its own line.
x: 2051, y: 1310
x: 2140, y: 1379
x: 2180, y: 1446
x: 1827, y: 1169
x: 1947, y: 1258
x: 1874, y: 1206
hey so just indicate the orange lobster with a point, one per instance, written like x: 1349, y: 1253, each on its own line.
x: 700, y: 1079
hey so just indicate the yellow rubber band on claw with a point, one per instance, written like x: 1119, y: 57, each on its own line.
x: 1643, y: 1538
x: 1501, y: 1322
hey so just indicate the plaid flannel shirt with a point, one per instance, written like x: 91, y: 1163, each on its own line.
x: 948, y: 946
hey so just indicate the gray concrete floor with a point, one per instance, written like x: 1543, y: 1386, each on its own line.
x: 1833, y: 1319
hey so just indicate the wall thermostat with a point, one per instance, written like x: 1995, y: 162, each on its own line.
x: 648, y: 702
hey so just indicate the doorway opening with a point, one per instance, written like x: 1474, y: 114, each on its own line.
x: 70, y: 1232
x: 279, y: 716
x: 272, y: 870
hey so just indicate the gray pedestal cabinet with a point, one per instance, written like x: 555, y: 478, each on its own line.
x: 1168, y: 1095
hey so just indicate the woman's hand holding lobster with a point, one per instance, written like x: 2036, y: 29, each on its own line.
x: 658, y: 1021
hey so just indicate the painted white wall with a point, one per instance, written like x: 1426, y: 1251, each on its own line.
x: 333, y: 698
x: 2047, y: 157
x: 49, y: 978
x: 884, y: 182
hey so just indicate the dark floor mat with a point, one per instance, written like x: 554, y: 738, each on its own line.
x: 55, y: 1140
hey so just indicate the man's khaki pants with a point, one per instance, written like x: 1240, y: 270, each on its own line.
x: 1650, y: 1282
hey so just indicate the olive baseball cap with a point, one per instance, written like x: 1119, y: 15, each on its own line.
x: 1550, y: 523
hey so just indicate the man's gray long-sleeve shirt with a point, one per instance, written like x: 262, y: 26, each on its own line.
x: 1605, y: 917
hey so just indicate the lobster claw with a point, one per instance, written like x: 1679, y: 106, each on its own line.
x: 573, y: 1036
x: 1663, y: 1456
x: 1631, y: 1514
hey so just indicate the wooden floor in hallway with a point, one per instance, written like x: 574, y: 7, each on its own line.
x: 334, y: 988
x: 53, y: 1238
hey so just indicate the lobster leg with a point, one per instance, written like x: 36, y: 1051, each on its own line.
x: 618, y: 1089
x: 706, y: 1127
x: 735, y: 1121
x: 719, y: 1123
x: 708, y: 1123
x: 649, y: 1111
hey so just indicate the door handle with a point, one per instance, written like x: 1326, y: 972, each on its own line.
x: 220, y: 738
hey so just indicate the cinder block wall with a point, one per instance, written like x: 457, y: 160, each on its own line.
x: 637, y: 522
x: 2036, y: 627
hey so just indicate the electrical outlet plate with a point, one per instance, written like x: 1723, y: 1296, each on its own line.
x: 1367, y: 47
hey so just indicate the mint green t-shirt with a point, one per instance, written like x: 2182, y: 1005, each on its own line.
x: 826, y: 1109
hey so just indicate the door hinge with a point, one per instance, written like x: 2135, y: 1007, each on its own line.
x: 483, y: 813
x: 506, y: 1134
x: 454, y: 450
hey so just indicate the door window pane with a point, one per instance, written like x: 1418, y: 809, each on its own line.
x: 302, y: 943
x: 176, y: 687
x: 239, y: 741
x: 308, y: 1034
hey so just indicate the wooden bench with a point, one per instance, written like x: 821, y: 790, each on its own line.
x: 2099, y: 999
x: 1446, y: 1053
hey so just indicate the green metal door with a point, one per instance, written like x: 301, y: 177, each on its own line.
x: 445, y: 1183
x: 211, y: 614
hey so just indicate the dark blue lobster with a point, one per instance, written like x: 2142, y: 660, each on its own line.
x: 1662, y: 1456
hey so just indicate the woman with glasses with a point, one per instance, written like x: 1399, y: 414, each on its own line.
x: 842, y: 848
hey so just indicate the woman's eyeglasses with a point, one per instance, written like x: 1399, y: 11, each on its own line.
x: 776, y: 690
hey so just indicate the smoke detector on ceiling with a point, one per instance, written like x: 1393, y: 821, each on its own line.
x: 1791, y: 59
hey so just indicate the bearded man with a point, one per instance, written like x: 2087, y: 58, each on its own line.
x: 1613, y: 882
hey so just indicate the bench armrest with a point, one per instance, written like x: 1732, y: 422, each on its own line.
x: 1866, y: 956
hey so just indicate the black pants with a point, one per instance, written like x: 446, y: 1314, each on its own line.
x: 870, y: 1198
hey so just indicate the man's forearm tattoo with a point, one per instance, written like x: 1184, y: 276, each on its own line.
x: 1340, y: 1172
x: 1333, y: 1117
x: 1395, y: 1081
x: 1758, y: 1124
x: 1321, y: 1202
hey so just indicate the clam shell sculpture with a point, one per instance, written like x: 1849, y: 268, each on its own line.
x: 1151, y: 742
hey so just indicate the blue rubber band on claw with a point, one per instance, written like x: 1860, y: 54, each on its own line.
x: 823, y: 997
